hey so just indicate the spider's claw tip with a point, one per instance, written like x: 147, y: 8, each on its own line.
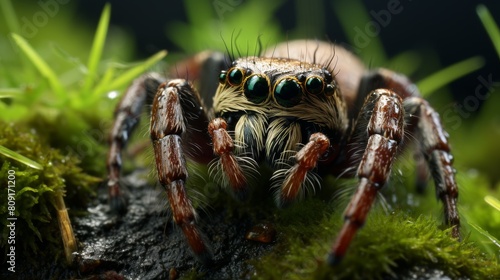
x: 333, y: 259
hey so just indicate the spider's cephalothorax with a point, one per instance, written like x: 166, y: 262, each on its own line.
x: 290, y: 109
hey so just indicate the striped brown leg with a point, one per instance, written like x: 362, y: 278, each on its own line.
x: 169, y: 120
x: 127, y: 116
x: 434, y: 147
x: 436, y: 150
x: 382, y: 117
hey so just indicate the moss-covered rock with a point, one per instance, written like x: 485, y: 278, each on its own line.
x: 36, y: 192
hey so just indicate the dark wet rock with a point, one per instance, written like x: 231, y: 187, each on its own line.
x: 421, y: 273
x: 145, y: 244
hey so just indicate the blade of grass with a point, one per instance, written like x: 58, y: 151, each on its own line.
x: 10, y: 92
x: 9, y: 14
x: 69, y: 58
x: 97, y: 48
x: 490, y: 26
x: 101, y: 86
x: 125, y: 78
x: 451, y: 73
x: 495, y: 203
x: 41, y: 66
x: 20, y: 158
x: 486, y: 234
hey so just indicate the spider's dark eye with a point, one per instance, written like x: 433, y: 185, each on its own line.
x: 235, y: 77
x: 222, y: 76
x: 256, y: 88
x: 288, y: 93
x: 328, y: 76
x: 314, y: 85
x: 329, y: 90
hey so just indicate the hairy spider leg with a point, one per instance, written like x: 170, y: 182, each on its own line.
x: 168, y: 123
x: 127, y: 115
x: 306, y: 159
x: 400, y: 84
x: 384, y: 129
x: 436, y: 150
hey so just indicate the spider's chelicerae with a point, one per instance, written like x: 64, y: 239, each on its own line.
x: 305, y: 108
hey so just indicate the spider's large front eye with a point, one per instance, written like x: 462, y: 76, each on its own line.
x: 288, y: 93
x: 314, y: 85
x: 256, y: 88
x: 235, y: 76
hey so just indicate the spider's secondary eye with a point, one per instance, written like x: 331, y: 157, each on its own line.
x: 329, y: 90
x: 222, y: 76
x: 288, y: 93
x: 256, y: 88
x: 314, y: 85
x: 235, y: 77
x: 328, y: 76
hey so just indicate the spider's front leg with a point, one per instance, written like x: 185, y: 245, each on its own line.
x: 425, y: 124
x: 382, y: 120
x: 175, y: 107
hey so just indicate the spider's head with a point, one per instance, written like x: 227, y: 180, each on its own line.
x: 280, y: 99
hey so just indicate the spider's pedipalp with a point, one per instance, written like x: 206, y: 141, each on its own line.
x: 227, y: 164
x: 292, y: 181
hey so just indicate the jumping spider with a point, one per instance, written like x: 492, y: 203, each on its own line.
x: 305, y: 108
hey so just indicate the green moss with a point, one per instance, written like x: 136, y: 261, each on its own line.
x: 37, y: 229
x: 387, y: 244
x: 73, y: 133
x: 411, y: 236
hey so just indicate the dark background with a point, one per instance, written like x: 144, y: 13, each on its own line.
x: 451, y: 28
